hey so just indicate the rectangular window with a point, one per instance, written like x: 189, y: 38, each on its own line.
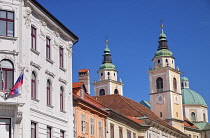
x: 62, y: 134
x: 6, y: 23
x: 33, y: 37
x: 48, y: 48
x: 49, y: 132
x: 111, y: 130
x: 91, y: 126
x: 61, y: 56
x: 83, y: 123
x: 120, y: 132
x: 100, y: 129
x: 128, y: 134
x: 33, y: 130
x: 134, y: 135
x: 61, y: 99
x: 5, y: 127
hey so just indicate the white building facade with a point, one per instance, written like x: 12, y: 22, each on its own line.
x: 34, y: 41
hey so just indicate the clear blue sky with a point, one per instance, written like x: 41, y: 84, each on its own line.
x: 133, y: 30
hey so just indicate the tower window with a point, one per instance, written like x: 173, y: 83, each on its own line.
x: 166, y: 60
x: 193, y: 119
x: 108, y: 73
x: 182, y: 84
x: 159, y: 84
x: 172, y: 61
x: 204, y: 117
x: 101, y: 74
x: 158, y: 61
x: 102, y: 92
x: 161, y: 114
x: 177, y: 114
x: 114, y: 74
x: 175, y: 84
x: 116, y: 91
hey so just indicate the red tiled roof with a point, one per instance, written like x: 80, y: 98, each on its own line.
x: 135, y: 119
x: 187, y: 123
x: 83, y: 70
x: 128, y: 107
x: 77, y: 84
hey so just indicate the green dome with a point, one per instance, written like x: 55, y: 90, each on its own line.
x: 163, y: 52
x: 192, y: 97
x: 107, y: 66
x: 184, y: 79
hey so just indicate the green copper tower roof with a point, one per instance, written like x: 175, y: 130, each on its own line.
x: 107, y: 62
x: 163, y: 49
x: 189, y: 96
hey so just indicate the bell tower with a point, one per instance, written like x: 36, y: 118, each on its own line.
x: 165, y: 89
x: 108, y: 83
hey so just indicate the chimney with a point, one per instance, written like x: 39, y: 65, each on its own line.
x: 84, y: 76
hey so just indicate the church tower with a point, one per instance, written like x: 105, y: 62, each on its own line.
x: 108, y: 83
x: 165, y: 89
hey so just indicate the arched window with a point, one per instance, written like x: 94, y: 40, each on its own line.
x: 33, y: 86
x: 204, y: 117
x: 116, y: 91
x: 166, y: 60
x: 61, y: 99
x: 175, y: 84
x: 7, y: 75
x: 159, y: 84
x: 193, y: 119
x: 49, y: 93
x: 102, y: 92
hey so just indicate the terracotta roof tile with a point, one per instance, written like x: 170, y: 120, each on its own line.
x: 136, y: 120
x: 128, y: 107
x: 187, y: 123
x: 83, y: 70
x: 77, y: 84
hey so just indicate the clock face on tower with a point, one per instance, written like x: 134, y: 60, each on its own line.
x: 160, y: 99
x: 176, y: 99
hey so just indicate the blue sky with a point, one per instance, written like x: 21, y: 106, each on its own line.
x: 133, y: 30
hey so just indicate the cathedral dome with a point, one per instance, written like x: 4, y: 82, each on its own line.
x: 192, y: 97
x: 184, y: 79
x: 107, y: 66
x: 163, y: 52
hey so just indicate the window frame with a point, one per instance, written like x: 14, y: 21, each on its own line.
x: 34, y: 130
x: 61, y: 57
x: 6, y: 75
x: 120, y: 132
x: 49, y: 131
x: 111, y: 130
x: 48, y: 48
x: 33, y: 37
x: 33, y: 85
x: 159, y: 84
x: 62, y: 99
x: 83, y: 123
x: 62, y: 134
x: 92, y: 127
x: 49, y: 92
x: 7, y: 20
x: 175, y: 84
x: 102, y: 92
x: 10, y: 133
x: 100, y: 129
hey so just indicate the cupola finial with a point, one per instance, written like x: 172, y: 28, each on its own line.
x: 162, y: 38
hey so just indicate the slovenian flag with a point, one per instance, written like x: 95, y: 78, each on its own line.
x: 18, y: 83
